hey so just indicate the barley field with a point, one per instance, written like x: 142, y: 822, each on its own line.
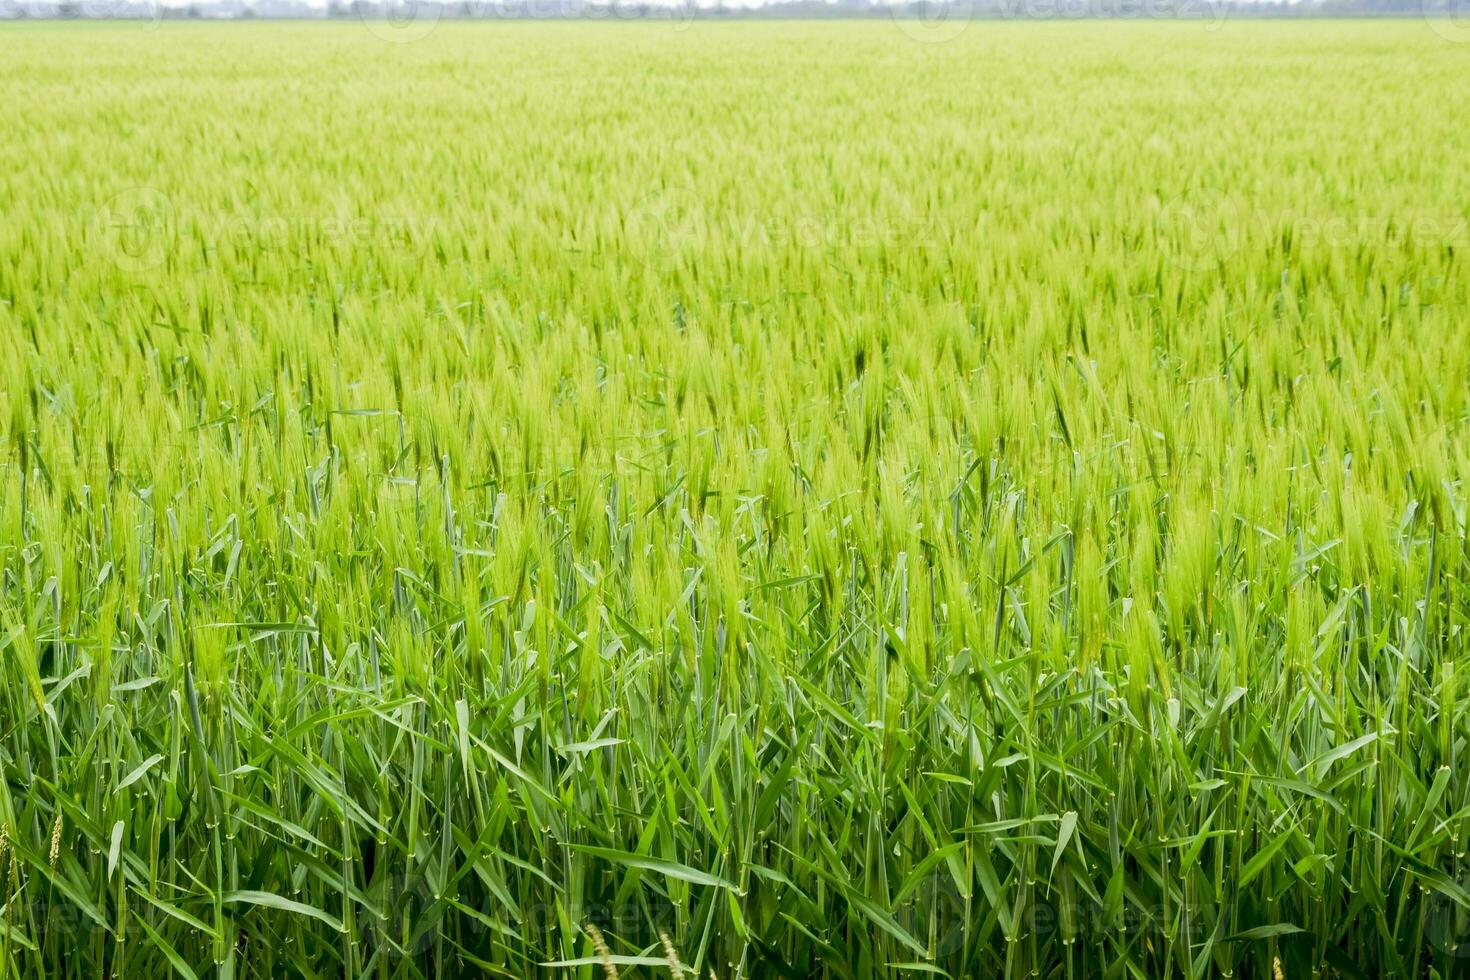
x: 740, y: 500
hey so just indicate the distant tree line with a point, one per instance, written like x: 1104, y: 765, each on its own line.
x: 778, y: 9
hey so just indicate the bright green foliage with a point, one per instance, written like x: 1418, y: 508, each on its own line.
x: 861, y: 507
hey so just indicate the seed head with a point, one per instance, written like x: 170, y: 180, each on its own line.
x: 676, y: 968
x: 603, y: 953
x: 1276, y: 968
x: 55, y: 840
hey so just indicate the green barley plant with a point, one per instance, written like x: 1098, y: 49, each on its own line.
x: 736, y: 500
